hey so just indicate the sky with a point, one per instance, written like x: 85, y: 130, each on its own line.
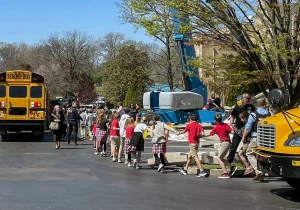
x: 30, y: 21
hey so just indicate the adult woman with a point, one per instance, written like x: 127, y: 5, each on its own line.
x: 57, y: 116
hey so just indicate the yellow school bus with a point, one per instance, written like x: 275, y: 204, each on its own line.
x: 23, y: 102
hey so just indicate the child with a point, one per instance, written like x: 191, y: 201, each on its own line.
x: 195, y: 131
x: 137, y: 142
x: 115, y: 136
x: 242, y: 153
x: 101, y: 134
x: 159, y: 141
x: 223, y: 130
x: 129, y: 129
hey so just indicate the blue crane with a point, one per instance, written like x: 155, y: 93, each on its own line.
x: 176, y: 107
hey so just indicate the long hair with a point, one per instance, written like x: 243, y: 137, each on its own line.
x: 100, y: 117
x: 129, y: 121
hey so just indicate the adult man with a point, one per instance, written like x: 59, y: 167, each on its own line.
x: 237, y: 124
x: 251, y: 128
x: 73, y: 120
x: 123, y: 135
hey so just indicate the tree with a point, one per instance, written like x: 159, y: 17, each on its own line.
x: 87, y: 93
x: 133, y: 95
x: 76, y: 54
x: 153, y: 16
x: 14, y: 56
x: 130, y: 67
x: 268, y: 43
x: 110, y: 44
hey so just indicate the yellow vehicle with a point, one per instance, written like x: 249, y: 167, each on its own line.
x: 23, y: 102
x: 278, y: 138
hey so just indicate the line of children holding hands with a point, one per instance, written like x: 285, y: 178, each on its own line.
x: 134, y: 142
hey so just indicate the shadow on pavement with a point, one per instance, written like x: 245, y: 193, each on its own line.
x: 27, y: 137
x: 288, y: 193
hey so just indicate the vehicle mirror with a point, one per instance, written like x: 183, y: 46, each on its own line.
x: 276, y: 98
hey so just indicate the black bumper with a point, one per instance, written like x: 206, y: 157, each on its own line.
x: 21, y: 125
x: 286, y: 166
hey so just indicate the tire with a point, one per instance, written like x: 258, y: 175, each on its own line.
x: 295, y: 183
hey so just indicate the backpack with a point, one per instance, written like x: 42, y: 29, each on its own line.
x: 257, y: 118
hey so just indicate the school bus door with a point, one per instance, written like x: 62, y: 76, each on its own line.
x: 18, y: 102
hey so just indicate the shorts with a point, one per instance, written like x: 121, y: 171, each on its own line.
x: 193, y: 150
x: 223, y: 149
x: 244, y: 148
x: 115, y: 141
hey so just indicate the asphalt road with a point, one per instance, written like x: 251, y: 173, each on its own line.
x: 33, y: 175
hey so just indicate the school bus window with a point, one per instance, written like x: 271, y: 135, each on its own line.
x: 18, y: 91
x: 2, y: 91
x: 36, y: 92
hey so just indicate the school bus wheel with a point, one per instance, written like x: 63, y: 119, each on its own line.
x: 294, y: 182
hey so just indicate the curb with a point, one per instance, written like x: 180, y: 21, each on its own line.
x: 214, y: 172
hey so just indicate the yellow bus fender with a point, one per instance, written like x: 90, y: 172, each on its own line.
x: 260, y: 154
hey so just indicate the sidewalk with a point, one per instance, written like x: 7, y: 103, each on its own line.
x: 204, y: 142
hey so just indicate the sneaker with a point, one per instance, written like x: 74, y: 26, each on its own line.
x: 103, y: 154
x: 224, y: 176
x: 119, y: 160
x: 135, y: 164
x: 75, y: 144
x: 160, y: 167
x: 137, y: 167
x: 111, y: 156
x: 129, y: 165
x: 96, y: 153
x: 202, y: 174
x: 248, y: 171
x: 232, y: 170
x: 126, y: 162
x: 257, y: 177
x: 184, y: 172
x: 114, y: 159
x: 163, y: 170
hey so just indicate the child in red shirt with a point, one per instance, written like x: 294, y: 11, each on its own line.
x: 195, y: 132
x: 115, y: 136
x: 129, y: 129
x: 223, y: 130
